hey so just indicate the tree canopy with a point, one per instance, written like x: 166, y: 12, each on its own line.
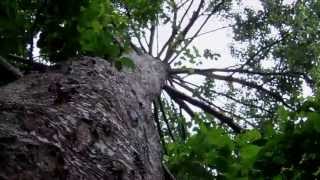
x: 249, y: 120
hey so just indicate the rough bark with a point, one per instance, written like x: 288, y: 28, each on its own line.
x: 85, y: 121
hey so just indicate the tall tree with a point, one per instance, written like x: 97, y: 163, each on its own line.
x: 158, y: 71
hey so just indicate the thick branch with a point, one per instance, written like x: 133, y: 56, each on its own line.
x: 224, y: 119
x: 184, y: 106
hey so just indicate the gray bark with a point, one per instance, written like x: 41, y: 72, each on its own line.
x: 85, y: 121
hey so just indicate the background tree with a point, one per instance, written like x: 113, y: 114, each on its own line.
x: 279, y: 56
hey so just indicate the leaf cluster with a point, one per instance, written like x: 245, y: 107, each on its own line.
x: 283, y: 149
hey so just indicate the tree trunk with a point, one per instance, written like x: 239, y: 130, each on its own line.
x: 86, y: 120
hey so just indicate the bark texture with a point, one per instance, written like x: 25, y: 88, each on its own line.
x: 85, y: 121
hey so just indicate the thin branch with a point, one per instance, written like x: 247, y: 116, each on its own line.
x: 185, y: 13
x: 224, y: 119
x: 151, y: 38
x: 240, y: 102
x: 211, y: 104
x: 182, y: 125
x: 145, y: 39
x: 174, y: 32
x: 182, y: 83
x: 135, y: 32
x: 211, y: 31
x: 182, y: 4
x: 253, y: 85
x: 157, y: 40
x: 192, y: 20
x: 139, y: 39
x: 266, y: 48
x: 170, y: 54
x: 165, y: 119
x: 156, y: 117
x: 238, y: 70
x: 181, y: 36
x: 136, y: 49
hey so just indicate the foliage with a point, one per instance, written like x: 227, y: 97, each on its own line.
x: 68, y: 28
x: 284, y: 149
x: 287, y: 33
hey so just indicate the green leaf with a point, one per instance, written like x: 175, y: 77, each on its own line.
x: 314, y: 118
x: 125, y: 62
x: 249, y: 137
x: 248, y: 155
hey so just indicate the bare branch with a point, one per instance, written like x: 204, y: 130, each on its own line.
x: 224, y: 119
x: 151, y: 38
x: 265, y: 48
x: 181, y: 36
x: 211, y: 31
x: 174, y: 28
x: 190, y: 40
x: 211, y: 104
x: 139, y: 39
x: 192, y: 20
x: 183, y: 84
x: 185, y: 13
x: 238, y: 70
x: 182, y: 4
x: 157, y: 40
x: 136, y: 49
x: 253, y: 85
